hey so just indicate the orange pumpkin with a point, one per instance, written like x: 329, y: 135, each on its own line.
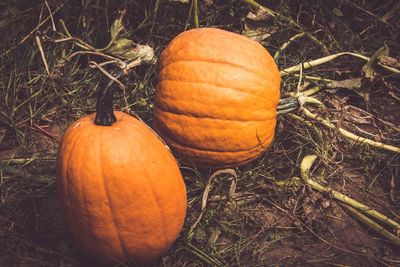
x: 120, y: 188
x: 216, y: 98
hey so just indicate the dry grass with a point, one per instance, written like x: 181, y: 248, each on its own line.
x: 272, y: 219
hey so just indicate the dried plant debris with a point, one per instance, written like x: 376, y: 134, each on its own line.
x: 339, y: 63
x: 259, y: 15
x: 351, y: 84
x: 369, y: 69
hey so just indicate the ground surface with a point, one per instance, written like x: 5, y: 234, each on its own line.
x: 272, y: 219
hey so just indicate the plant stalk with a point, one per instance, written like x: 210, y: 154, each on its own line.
x: 196, y: 13
x: 348, y: 134
x: 370, y: 223
x: 305, y: 175
x: 104, y: 109
x: 323, y: 60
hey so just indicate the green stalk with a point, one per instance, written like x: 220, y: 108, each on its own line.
x: 305, y: 175
x: 287, y: 43
x: 348, y: 134
x: 313, y: 90
x: 323, y: 60
x: 370, y: 223
x: 289, y: 104
x: 196, y: 13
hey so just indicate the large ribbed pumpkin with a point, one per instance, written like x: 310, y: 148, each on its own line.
x: 216, y: 98
x: 120, y: 189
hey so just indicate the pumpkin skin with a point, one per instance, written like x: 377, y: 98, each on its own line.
x: 120, y: 189
x: 216, y: 98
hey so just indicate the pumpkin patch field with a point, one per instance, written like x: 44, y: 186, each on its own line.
x: 199, y: 133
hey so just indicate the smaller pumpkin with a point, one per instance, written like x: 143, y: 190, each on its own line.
x: 216, y: 98
x: 120, y: 188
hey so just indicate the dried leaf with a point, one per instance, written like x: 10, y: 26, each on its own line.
x: 390, y: 61
x: 260, y: 14
x: 144, y: 52
x: 215, y: 233
x: 357, y: 120
x: 127, y: 49
x: 352, y: 84
x: 208, y: 2
x: 181, y: 1
x: 337, y: 103
x: 258, y: 34
x: 325, y: 203
x: 369, y: 69
x: 308, y: 209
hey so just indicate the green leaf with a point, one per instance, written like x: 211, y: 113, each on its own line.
x: 117, y: 27
x: 120, y: 46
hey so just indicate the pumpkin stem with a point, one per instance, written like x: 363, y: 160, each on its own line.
x: 287, y: 105
x: 104, y: 107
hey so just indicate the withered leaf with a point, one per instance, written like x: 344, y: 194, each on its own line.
x: 352, y: 84
x: 369, y: 69
x: 390, y: 61
x: 260, y: 14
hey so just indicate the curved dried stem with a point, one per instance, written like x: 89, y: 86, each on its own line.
x: 326, y: 59
x: 348, y: 134
x: 207, y: 190
x: 305, y: 167
x: 286, y: 44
